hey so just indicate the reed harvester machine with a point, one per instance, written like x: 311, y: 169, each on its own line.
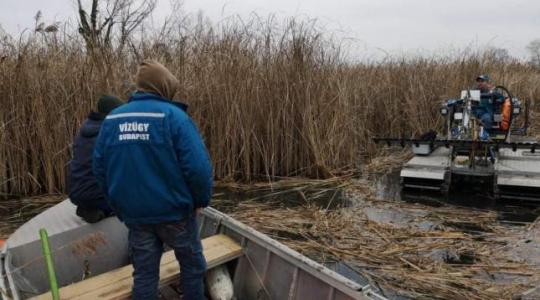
x: 501, y: 158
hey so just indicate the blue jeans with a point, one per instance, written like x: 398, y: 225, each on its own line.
x: 146, y: 246
x: 487, y: 121
x: 485, y: 116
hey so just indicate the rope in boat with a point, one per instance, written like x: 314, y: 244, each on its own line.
x: 257, y: 274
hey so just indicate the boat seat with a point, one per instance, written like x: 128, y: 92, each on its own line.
x: 117, y: 284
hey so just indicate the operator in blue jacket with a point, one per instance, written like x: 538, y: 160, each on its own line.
x: 153, y: 165
x: 488, y: 98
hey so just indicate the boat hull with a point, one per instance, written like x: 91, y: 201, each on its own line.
x: 266, y: 270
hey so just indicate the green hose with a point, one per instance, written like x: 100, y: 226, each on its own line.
x: 49, y: 263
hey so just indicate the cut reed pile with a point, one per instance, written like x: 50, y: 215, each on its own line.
x: 271, y: 99
x: 412, y: 250
x: 327, y: 193
x: 418, y: 253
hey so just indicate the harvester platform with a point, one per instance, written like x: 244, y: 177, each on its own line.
x: 427, y: 172
x: 518, y: 175
x: 515, y: 170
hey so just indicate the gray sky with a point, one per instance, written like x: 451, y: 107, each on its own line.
x: 396, y: 26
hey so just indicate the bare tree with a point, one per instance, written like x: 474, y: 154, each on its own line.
x: 498, y: 54
x: 534, y: 50
x: 117, y: 19
x: 131, y: 15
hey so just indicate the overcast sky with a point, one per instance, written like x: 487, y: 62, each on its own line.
x: 395, y: 26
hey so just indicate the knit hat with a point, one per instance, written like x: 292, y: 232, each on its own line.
x: 107, y: 103
x: 153, y: 77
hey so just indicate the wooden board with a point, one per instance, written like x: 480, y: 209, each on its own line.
x: 117, y: 284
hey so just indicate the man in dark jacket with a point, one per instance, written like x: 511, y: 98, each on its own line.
x: 84, y: 191
x: 153, y: 164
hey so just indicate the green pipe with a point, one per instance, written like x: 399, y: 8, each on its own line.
x: 49, y: 263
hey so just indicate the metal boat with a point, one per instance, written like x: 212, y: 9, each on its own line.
x: 266, y: 269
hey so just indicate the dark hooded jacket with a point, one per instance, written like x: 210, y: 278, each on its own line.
x: 84, y: 190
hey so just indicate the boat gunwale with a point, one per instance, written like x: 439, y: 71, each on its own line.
x: 311, y: 267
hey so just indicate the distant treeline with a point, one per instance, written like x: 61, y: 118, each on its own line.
x: 270, y: 100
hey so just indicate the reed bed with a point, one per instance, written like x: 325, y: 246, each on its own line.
x: 272, y: 99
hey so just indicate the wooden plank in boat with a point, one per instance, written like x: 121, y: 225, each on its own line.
x: 117, y: 284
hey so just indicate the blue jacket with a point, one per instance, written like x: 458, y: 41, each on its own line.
x: 488, y: 99
x: 151, y: 161
x: 84, y: 190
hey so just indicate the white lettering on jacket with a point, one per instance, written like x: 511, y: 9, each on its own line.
x: 134, y: 136
x: 134, y: 127
x: 134, y: 131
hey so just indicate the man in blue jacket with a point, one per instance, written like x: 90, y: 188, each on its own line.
x: 84, y: 191
x: 153, y: 165
x: 484, y: 110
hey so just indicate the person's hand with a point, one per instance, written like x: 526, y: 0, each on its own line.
x: 198, y: 210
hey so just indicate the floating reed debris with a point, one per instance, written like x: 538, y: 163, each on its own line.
x: 386, y: 160
x: 406, y: 248
x: 14, y: 212
x: 293, y: 191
